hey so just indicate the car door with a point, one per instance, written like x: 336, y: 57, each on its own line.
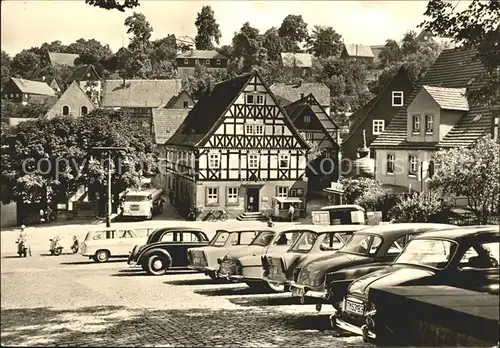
x: 170, y: 241
x: 189, y: 239
x: 126, y: 240
x: 478, y: 268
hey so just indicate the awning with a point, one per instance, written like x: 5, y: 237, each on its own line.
x: 288, y: 199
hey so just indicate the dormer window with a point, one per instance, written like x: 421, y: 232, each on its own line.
x: 207, y: 62
x: 378, y: 127
x: 185, y: 105
x: 397, y: 98
x: 307, y: 119
x: 186, y: 61
x: 429, y: 124
x: 415, y: 124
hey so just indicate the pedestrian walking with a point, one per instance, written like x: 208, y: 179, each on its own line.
x: 48, y: 213
x: 171, y: 196
x: 23, y: 238
x: 291, y: 211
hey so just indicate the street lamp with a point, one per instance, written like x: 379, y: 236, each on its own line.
x: 109, y: 149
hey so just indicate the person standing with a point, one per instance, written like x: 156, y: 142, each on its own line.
x: 171, y: 196
x: 250, y: 203
x: 42, y: 215
x: 276, y: 211
x: 23, y: 237
x: 291, y: 212
x: 48, y: 213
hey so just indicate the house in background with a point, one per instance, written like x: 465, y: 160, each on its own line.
x: 90, y: 81
x: 288, y: 93
x: 301, y: 63
x: 376, y: 49
x: 26, y: 91
x: 443, y: 42
x: 73, y: 102
x: 184, y: 43
x: 238, y: 150
x: 212, y: 60
x: 165, y: 122
x: 139, y: 97
x: 362, y: 53
x: 436, y: 116
x: 374, y: 117
x: 68, y: 59
x: 53, y: 83
x: 316, y: 126
x: 181, y: 101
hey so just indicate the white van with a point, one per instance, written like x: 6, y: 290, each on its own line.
x: 100, y: 245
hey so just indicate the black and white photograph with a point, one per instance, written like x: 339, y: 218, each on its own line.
x: 250, y: 173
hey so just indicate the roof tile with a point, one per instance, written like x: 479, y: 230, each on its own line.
x: 202, y: 54
x: 33, y: 87
x: 354, y: 50
x: 68, y: 59
x: 166, y: 122
x: 449, y: 98
x: 295, y: 92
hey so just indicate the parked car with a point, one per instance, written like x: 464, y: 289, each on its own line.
x: 344, y: 214
x: 100, y: 245
x: 313, y: 242
x: 464, y: 257
x: 245, y: 265
x: 204, y: 259
x: 165, y: 248
x: 377, y: 245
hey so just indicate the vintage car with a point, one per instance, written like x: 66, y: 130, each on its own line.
x: 165, y: 248
x: 464, y: 257
x: 245, y: 265
x: 345, y: 214
x: 313, y: 242
x: 204, y: 259
x: 100, y: 245
x: 377, y: 245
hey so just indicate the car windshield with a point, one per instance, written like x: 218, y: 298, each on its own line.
x: 263, y: 238
x: 363, y: 244
x: 220, y: 238
x: 136, y: 198
x: 434, y: 253
x: 305, y: 242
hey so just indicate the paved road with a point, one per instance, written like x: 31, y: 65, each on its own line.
x: 68, y: 301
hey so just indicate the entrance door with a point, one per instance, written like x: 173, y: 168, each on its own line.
x: 252, y: 199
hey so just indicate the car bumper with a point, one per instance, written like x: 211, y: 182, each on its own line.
x: 204, y: 269
x: 277, y: 281
x: 299, y: 290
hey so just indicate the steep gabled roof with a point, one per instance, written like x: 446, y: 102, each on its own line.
x: 171, y: 103
x: 294, y: 91
x: 73, y: 95
x: 202, y: 54
x: 449, y: 98
x: 166, y: 122
x: 139, y: 93
x: 453, y: 68
x: 301, y: 60
x: 68, y: 59
x: 361, y: 51
x: 208, y: 112
x: 81, y: 72
x: 33, y: 87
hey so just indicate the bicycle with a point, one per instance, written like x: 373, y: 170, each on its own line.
x: 216, y: 215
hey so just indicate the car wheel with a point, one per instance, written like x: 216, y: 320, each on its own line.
x: 276, y: 287
x: 150, y: 216
x: 57, y: 252
x: 212, y: 275
x: 157, y: 264
x: 101, y: 256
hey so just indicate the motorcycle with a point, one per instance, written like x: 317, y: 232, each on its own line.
x: 76, y: 245
x: 22, y: 248
x: 55, y: 246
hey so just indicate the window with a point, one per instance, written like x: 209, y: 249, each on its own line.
x: 212, y: 195
x: 17, y: 95
x: 412, y: 165
x: 397, y: 246
x: 284, y: 160
x: 301, y: 95
x: 196, y: 61
x: 249, y: 99
x: 282, y: 191
x: 218, y: 61
x: 84, y: 110
x: 65, y: 110
x: 260, y: 99
x: 186, y: 61
x: 207, y: 61
x: 185, y: 105
x: 330, y: 242
x: 397, y: 98
x: 431, y: 169
x: 168, y: 237
x: 429, y: 124
x: 259, y: 129
x: 232, y: 195
x: 309, y: 135
x: 480, y: 256
x: 253, y: 161
x: 191, y: 237
x: 254, y: 129
x: 378, y: 126
x: 391, y: 161
x: 249, y: 129
x: 213, y: 160
x: 12, y: 95
x: 415, y: 121
x: 307, y: 119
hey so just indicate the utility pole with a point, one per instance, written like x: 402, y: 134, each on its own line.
x: 421, y: 177
x: 108, y: 150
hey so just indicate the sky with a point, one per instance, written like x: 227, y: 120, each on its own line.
x: 28, y: 23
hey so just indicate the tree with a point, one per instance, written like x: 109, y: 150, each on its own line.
x: 409, y: 44
x: 225, y: 50
x: 114, y: 4
x: 247, y: 45
x: 89, y: 51
x: 272, y: 43
x: 163, y: 50
x: 420, y: 207
x: 6, y: 69
x: 293, y: 31
x: 141, y: 30
x: 472, y: 172
x: 325, y: 42
x: 25, y: 63
x: 477, y: 27
x: 390, y: 54
x: 208, y: 29
x: 202, y: 81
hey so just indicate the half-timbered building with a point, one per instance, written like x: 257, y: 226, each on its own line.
x: 320, y: 131
x: 237, y: 150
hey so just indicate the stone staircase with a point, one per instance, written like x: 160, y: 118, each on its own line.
x: 247, y: 216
